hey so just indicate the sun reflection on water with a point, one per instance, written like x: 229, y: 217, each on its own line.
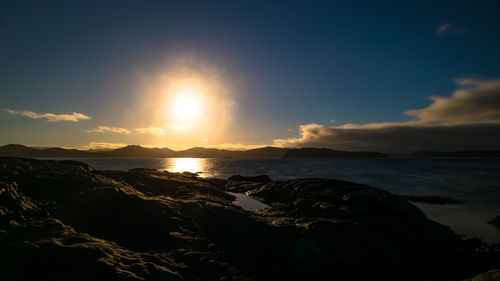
x: 192, y: 165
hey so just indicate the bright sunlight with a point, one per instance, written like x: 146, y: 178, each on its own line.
x: 186, y: 106
x: 192, y: 104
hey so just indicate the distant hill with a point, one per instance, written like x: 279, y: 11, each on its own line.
x: 17, y: 150
x: 328, y: 153
x: 130, y: 151
x: 201, y: 152
x: 265, y: 152
x: 136, y: 151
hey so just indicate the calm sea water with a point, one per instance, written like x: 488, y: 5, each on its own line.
x: 475, y: 182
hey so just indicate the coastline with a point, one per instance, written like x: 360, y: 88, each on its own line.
x: 82, y: 223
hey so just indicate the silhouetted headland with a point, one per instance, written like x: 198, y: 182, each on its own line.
x: 328, y: 153
x: 136, y: 151
x: 63, y: 220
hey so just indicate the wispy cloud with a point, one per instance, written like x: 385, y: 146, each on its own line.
x: 468, y: 119
x: 236, y: 146
x: 103, y: 145
x: 50, y: 117
x: 449, y: 28
x: 105, y: 129
x: 156, y: 131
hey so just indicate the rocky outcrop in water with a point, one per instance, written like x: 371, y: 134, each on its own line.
x: 62, y: 220
x: 430, y: 199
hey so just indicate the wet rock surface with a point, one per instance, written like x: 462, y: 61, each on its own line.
x: 62, y: 220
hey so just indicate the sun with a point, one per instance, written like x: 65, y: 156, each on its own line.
x: 186, y: 107
x: 193, y: 106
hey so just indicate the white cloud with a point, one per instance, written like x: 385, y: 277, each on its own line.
x: 443, y: 28
x: 104, y: 129
x: 448, y: 28
x: 50, y: 117
x: 236, y: 146
x: 156, y: 131
x: 476, y: 102
x: 103, y: 145
x: 468, y: 119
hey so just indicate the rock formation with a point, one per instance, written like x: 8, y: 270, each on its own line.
x: 62, y: 220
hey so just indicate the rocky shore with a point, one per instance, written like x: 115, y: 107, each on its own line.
x: 63, y: 220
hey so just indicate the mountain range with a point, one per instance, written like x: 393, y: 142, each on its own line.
x: 136, y: 151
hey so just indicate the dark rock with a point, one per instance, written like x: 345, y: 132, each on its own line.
x: 261, y: 178
x: 47, y: 249
x: 117, y: 231
x: 141, y: 169
x: 242, y: 184
x: 62, y: 220
x: 495, y: 221
x: 491, y: 275
x: 430, y: 199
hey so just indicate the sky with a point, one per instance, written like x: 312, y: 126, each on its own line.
x: 350, y: 75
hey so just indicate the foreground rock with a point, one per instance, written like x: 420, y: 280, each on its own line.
x: 62, y: 220
x: 495, y: 221
x: 492, y: 275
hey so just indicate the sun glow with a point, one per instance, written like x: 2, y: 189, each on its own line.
x: 186, y: 107
x: 193, y: 104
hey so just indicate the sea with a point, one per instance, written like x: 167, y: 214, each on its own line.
x: 473, y: 182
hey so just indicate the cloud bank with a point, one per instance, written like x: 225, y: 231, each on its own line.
x: 156, y: 131
x: 50, y: 117
x: 103, y: 145
x: 468, y: 119
x: 105, y: 129
x: 236, y: 146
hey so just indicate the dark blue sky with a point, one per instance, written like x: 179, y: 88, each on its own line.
x: 289, y: 63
